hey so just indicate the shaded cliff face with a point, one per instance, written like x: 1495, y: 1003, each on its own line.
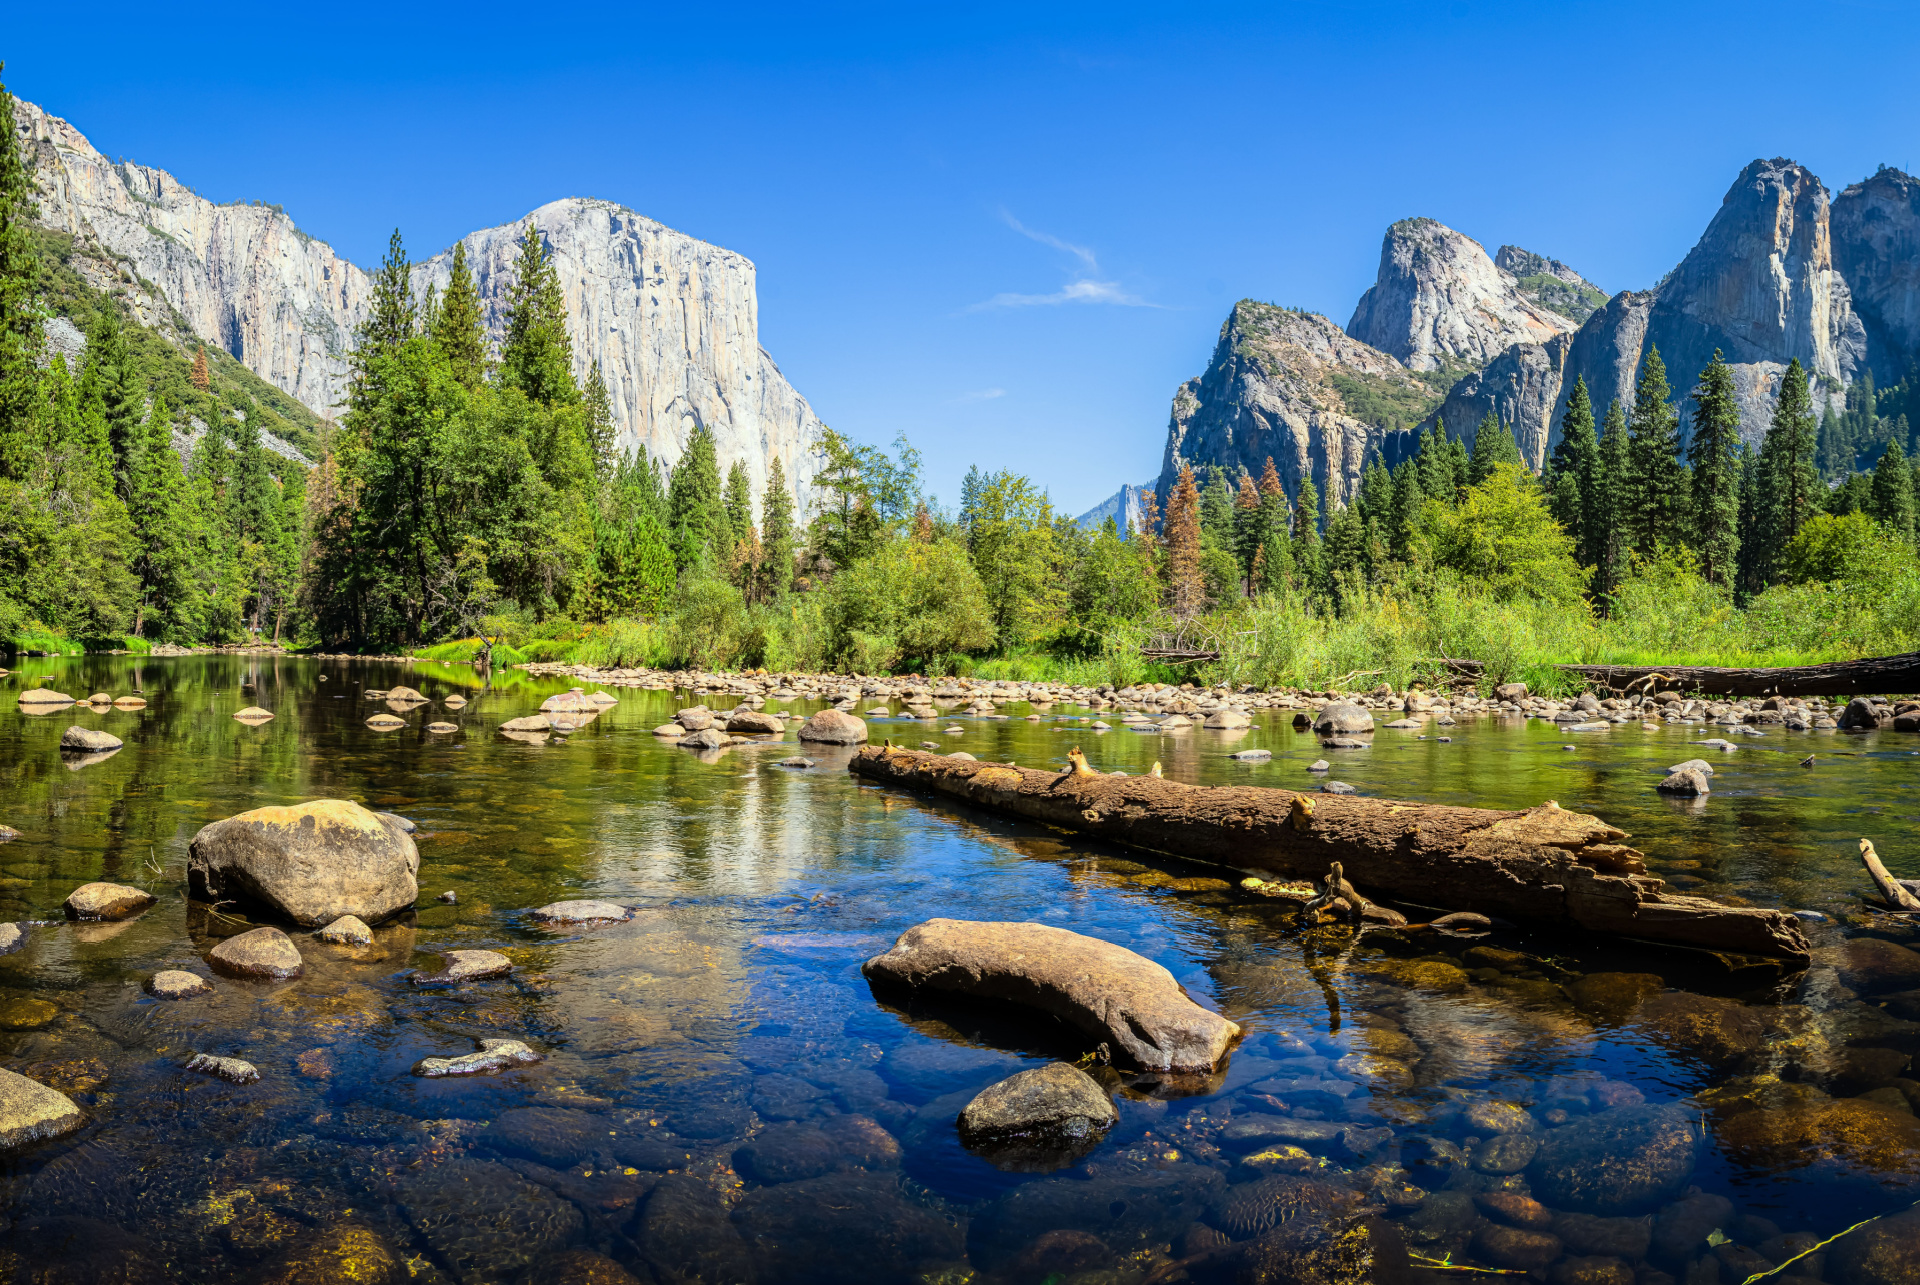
x: 1876, y: 247
x: 1439, y: 301
x: 673, y: 321
x: 1519, y: 388
x: 1286, y: 384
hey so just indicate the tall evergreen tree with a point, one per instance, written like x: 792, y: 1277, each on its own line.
x: 1216, y: 506
x: 738, y: 502
x: 1656, y: 484
x: 1789, y: 478
x: 1612, y: 480
x: 159, y: 494
x: 1713, y: 453
x: 391, y: 315
x: 537, y: 356
x: 1308, y: 568
x: 113, y: 387
x: 1344, y: 554
x: 776, y: 526
x: 21, y: 339
x: 1249, y: 528
x: 459, y: 330
x: 1892, y: 504
x: 1572, y: 497
x: 1750, y: 578
x: 695, y: 517
x: 1274, y: 571
x: 1186, y: 591
x: 1493, y: 445
x: 1403, y: 509
x: 600, y: 428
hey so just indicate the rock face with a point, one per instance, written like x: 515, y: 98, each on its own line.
x: 312, y: 863
x: 1108, y: 992
x: 1291, y: 386
x: 1550, y: 283
x: 1519, y: 388
x: 673, y: 321
x: 1876, y: 247
x: 1439, y: 300
x: 30, y: 1111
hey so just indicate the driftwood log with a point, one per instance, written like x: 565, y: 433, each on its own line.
x: 1545, y: 866
x: 1897, y: 892
x: 1874, y: 676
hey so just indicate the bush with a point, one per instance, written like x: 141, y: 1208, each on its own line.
x: 911, y: 601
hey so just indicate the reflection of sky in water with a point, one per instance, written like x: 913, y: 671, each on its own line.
x: 733, y: 1001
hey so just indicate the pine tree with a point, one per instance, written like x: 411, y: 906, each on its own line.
x: 738, y: 503
x: 112, y: 386
x: 1791, y: 472
x: 1249, y: 530
x: 391, y: 319
x: 21, y: 339
x: 1655, y: 491
x: 1613, y: 523
x: 198, y: 376
x: 1308, y: 568
x: 1185, y: 590
x: 1493, y: 445
x: 1345, y: 554
x: 458, y: 327
x: 600, y: 429
x: 1216, y: 506
x: 1375, y: 500
x: 1716, y: 473
x: 694, y: 513
x: 159, y: 494
x: 1403, y: 510
x: 1892, y: 504
x: 1576, y: 462
x: 1751, y: 576
x: 537, y: 356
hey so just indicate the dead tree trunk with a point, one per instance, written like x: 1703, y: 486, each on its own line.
x: 1877, y: 675
x: 1545, y: 866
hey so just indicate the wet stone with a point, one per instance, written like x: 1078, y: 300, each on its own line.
x: 1248, y: 1209
x: 580, y: 912
x: 648, y: 1150
x: 230, y: 1069
x: 74, y: 1075
x: 522, y: 1222
x: 1883, y: 1253
x: 821, y: 1231
x: 175, y: 984
x: 346, y: 931
x: 85, y: 740
x: 684, y: 1233
x: 579, y: 1267
x: 1717, y: 1031
x: 795, y: 1152
x: 493, y: 1055
x: 26, y: 1013
x: 1618, y: 1162
x: 1591, y: 1271
x: 466, y: 966
x: 1515, y: 1210
x: 1516, y: 1248
x: 552, y: 1135
x: 30, y: 1111
x: 259, y: 953
x: 1505, y: 1153
x: 344, y: 1252
x: 106, y: 901
x: 1124, y: 1210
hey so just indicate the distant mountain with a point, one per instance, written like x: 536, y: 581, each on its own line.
x: 673, y: 321
x: 1123, y: 506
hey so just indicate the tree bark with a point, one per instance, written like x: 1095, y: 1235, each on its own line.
x: 1877, y: 675
x: 1545, y: 866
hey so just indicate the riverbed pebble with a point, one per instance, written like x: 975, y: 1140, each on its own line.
x: 346, y: 931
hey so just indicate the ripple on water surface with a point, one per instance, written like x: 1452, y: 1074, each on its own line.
x: 722, y: 1098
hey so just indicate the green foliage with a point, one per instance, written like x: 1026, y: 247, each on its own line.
x: 696, y: 522
x: 1502, y: 539
x: 1493, y: 446
x: 1852, y: 549
x: 1891, y: 503
x: 1655, y: 492
x: 1010, y: 536
x: 1383, y: 401
x: 21, y: 338
x: 776, y: 538
x: 536, y: 356
x: 1576, y: 302
x: 1714, y: 455
x: 913, y: 602
x: 459, y: 330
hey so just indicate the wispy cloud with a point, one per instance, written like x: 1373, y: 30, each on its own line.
x: 1085, y: 285
x: 979, y: 395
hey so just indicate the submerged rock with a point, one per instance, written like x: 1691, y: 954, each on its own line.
x: 840, y: 1227
x: 1617, y: 1162
x: 343, y: 1254
x: 581, y: 912
x: 175, y: 984
x: 230, y: 1069
x: 1252, y: 1208
x: 797, y: 1151
x: 262, y: 952
x: 579, y: 1267
x: 1106, y: 991
x: 312, y: 863
x: 796, y: 761
x: 106, y: 901
x: 522, y: 1222
x: 493, y: 1055
x: 1038, y: 1120
x: 30, y: 1111
x: 1252, y: 756
x: 466, y: 966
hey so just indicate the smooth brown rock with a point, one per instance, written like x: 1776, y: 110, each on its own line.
x: 30, y: 1111
x: 230, y: 1069
x: 261, y: 952
x: 1617, y: 1162
x: 1108, y: 992
x: 44, y: 696
x: 1717, y: 1031
x: 1342, y: 718
x: 1849, y: 1133
x: 1514, y: 1209
x: 346, y: 931
x: 253, y: 714
x: 492, y: 1055
x: 1053, y: 1101
x: 743, y: 721
x: 1883, y: 1253
x: 106, y: 901
x: 312, y: 863
x: 343, y: 1254
x: 385, y: 723
x: 579, y: 1267
x: 1515, y: 1247
x: 85, y: 740
x: 175, y: 984
x: 1871, y: 965
x: 834, y: 727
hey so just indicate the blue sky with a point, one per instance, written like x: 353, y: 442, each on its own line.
x: 1008, y: 232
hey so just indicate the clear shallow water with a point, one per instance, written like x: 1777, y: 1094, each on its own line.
x: 724, y: 1096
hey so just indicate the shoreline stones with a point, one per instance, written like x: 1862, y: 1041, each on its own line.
x: 311, y: 863
x: 174, y: 983
x: 259, y: 953
x: 108, y: 901
x: 44, y: 696
x: 466, y: 966
x: 230, y: 1069
x: 493, y: 1055
x: 752, y: 721
x: 85, y: 740
x: 441, y: 729
x: 1038, y: 1120
x: 129, y: 702
x: 30, y: 1111
x: 253, y: 714
x: 581, y: 912
x: 1342, y: 718
x: 346, y: 931
x: 1106, y: 991
x: 1622, y: 1161
x: 834, y: 727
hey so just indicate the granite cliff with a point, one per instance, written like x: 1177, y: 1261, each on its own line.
x: 1876, y: 247
x: 673, y: 321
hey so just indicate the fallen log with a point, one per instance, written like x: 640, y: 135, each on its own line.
x: 1878, y: 675
x: 1545, y: 866
x: 1895, y: 891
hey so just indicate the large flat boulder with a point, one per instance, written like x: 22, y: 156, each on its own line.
x: 311, y: 863
x: 834, y: 727
x: 30, y: 1111
x: 1111, y: 994
x: 86, y: 740
x: 106, y: 901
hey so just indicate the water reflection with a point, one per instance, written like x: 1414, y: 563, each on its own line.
x: 723, y: 1098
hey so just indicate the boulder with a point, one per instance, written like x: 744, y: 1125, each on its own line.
x: 346, y: 931
x: 580, y: 912
x: 455, y: 701
x: 1342, y: 718
x: 1038, y: 1120
x: 230, y: 1069
x: 747, y: 721
x: 175, y: 984
x: 261, y: 952
x: 1862, y: 715
x: 1693, y: 765
x: 711, y: 738
x: 253, y: 714
x: 1106, y: 991
x: 85, y: 740
x: 44, y: 696
x: 385, y: 722
x: 312, y: 863
x: 341, y: 1252
x: 1617, y: 1162
x: 531, y: 723
x: 30, y: 1111
x: 106, y: 901
x: 493, y: 1055
x: 466, y: 966
x: 1511, y: 692
x: 1873, y: 964
x: 1886, y: 1252
x: 834, y: 727
x: 1226, y: 720
x: 129, y: 702
x: 697, y: 719
x: 670, y: 731
x: 1688, y: 781
x: 404, y: 696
